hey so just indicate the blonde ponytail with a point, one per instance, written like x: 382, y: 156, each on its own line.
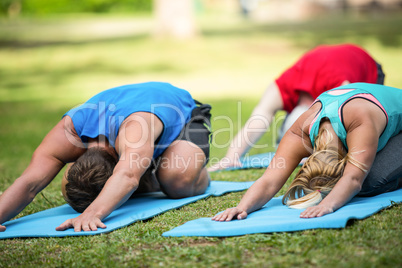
x: 306, y: 201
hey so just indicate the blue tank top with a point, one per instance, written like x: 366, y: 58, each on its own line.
x: 104, y: 113
x: 389, y: 99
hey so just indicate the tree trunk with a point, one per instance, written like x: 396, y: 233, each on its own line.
x: 174, y: 18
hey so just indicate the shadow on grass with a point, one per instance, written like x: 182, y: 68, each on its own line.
x: 16, y: 43
x: 352, y: 222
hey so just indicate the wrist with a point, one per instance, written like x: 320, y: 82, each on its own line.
x: 330, y: 207
x: 243, y: 208
x: 234, y: 157
x: 94, y: 212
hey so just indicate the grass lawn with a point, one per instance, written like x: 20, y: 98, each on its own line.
x: 49, y: 65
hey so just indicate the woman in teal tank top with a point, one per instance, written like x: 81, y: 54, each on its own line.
x: 353, y: 140
x: 332, y: 101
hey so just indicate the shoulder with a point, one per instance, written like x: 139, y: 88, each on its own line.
x: 66, y: 124
x: 301, y: 128
x: 140, y: 116
x: 362, y: 113
x: 140, y: 121
x: 61, y: 142
x: 304, y: 121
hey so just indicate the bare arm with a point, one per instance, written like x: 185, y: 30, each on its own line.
x: 54, y: 151
x: 136, y: 143
x: 291, y: 150
x: 254, y: 128
x: 346, y: 82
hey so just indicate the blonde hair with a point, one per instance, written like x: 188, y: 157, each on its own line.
x: 319, y: 174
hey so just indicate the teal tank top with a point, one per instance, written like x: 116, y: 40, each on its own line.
x: 389, y: 99
x: 104, y: 113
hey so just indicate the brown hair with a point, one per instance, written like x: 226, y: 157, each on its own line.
x: 319, y: 174
x: 87, y: 176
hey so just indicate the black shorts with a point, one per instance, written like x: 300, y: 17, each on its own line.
x: 380, y: 75
x: 198, y: 129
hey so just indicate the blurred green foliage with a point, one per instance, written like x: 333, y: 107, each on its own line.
x: 45, y: 7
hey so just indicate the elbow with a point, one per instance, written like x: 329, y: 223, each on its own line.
x: 258, y: 122
x: 358, y: 188
x: 31, y: 195
x: 31, y: 189
x: 261, y: 111
x: 356, y: 185
x: 131, y: 183
x: 129, y: 179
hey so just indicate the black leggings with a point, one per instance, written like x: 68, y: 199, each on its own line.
x: 386, y: 169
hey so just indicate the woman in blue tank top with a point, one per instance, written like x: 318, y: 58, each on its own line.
x: 133, y: 138
x: 353, y: 140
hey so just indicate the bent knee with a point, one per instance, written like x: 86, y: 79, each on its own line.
x: 376, y: 184
x: 178, y: 184
x: 179, y: 190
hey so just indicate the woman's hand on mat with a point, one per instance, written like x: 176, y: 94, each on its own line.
x: 229, y: 214
x: 316, y: 211
x: 2, y: 228
x: 83, y: 222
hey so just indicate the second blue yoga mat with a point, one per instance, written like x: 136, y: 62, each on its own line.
x: 276, y: 217
x: 255, y: 161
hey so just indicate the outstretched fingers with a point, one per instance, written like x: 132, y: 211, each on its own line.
x: 79, y: 225
x: 65, y: 225
x: 316, y: 211
x: 97, y: 223
x: 230, y: 214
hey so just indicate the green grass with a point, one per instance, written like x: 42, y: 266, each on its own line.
x: 44, y: 72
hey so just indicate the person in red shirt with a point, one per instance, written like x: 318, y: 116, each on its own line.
x: 320, y: 69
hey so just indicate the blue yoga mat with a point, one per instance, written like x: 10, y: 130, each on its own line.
x: 254, y: 161
x: 275, y: 217
x: 145, y: 206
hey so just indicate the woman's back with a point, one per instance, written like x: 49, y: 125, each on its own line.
x: 348, y: 105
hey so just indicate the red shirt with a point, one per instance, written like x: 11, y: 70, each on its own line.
x: 323, y: 68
